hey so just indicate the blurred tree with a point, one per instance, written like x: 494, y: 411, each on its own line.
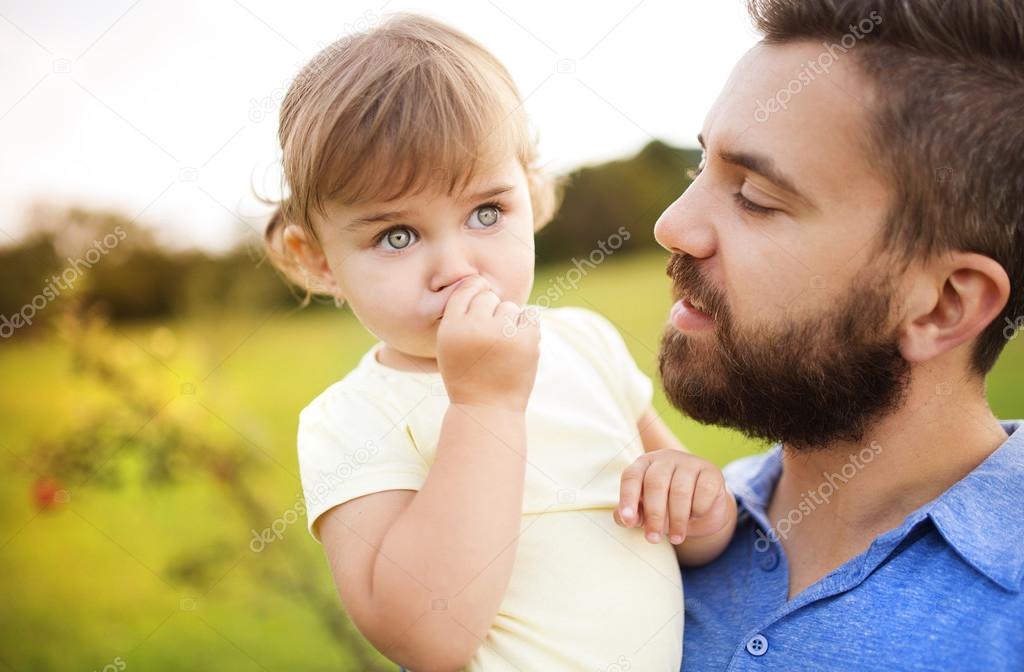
x: 111, y: 264
x: 125, y: 435
x: 631, y: 194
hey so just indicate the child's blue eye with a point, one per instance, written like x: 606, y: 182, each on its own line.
x: 397, y: 238
x: 485, y: 216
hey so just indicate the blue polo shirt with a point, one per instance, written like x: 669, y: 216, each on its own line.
x: 940, y: 592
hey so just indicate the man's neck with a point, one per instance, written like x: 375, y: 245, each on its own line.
x: 831, y: 503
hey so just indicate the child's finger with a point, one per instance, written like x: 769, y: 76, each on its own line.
x: 710, y: 484
x: 527, y: 317
x: 715, y: 520
x: 680, y: 499
x: 458, y: 302
x: 630, y: 487
x: 484, y: 303
x: 655, y: 497
x: 508, y: 309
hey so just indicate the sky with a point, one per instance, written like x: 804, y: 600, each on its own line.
x: 167, y: 112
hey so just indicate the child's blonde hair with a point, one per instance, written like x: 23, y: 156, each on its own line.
x: 409, y: 105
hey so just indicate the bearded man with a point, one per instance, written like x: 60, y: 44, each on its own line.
x: 849, y: 264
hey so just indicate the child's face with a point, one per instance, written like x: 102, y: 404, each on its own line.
x: 395, y: 263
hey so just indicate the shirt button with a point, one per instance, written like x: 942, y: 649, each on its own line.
x: 769, y: 561
x: 757, y: 646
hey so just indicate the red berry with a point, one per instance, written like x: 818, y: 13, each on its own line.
x: 47, y: 493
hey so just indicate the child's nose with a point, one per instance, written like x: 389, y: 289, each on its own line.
x: 451, y: 265
x: 455, y: 282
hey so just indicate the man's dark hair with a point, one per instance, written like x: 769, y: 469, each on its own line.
x: 947, y: 127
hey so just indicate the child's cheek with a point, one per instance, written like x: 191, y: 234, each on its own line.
x: 519, y: 273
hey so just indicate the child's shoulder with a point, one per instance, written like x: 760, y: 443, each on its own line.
x: 362, y: 390
x: 597, y: 340
x: 584, y: 328
x: 574, y: 318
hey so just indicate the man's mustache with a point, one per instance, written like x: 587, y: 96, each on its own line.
x: 688, y: 282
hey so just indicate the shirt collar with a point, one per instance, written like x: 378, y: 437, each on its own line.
x: 753, y: 479
x: 979, y: 516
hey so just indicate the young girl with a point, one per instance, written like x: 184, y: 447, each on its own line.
x: 463, y: 477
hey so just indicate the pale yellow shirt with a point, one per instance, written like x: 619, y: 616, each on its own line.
x: 585, y: 594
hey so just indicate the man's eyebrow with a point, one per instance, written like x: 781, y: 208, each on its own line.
x: 763, y: 166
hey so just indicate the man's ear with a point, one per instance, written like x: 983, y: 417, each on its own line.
x: 951, y: 302
x: 311, y: 260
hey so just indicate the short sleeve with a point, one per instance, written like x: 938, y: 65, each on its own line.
x: 609, y: 352
x: 350, y: 445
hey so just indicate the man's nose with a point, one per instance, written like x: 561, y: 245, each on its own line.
x: 685, y: 227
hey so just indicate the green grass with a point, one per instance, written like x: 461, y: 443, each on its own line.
x: 86, y: 583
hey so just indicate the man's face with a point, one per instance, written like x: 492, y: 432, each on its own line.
x: 794, y: 336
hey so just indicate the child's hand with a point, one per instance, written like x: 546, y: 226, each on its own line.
x: 673, y: 492
x: 482, y: 360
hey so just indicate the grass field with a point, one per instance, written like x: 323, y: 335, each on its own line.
x: 89, y: 583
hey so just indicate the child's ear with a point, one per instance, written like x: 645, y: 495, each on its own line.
x: 311, y: 260
x: 952, y: 303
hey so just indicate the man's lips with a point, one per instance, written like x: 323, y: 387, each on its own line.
x: 687, y: 317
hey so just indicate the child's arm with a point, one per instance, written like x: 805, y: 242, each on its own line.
x: 422, y: 574
x: 670, y: 491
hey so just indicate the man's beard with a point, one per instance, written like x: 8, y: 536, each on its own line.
x: 809, y: 384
